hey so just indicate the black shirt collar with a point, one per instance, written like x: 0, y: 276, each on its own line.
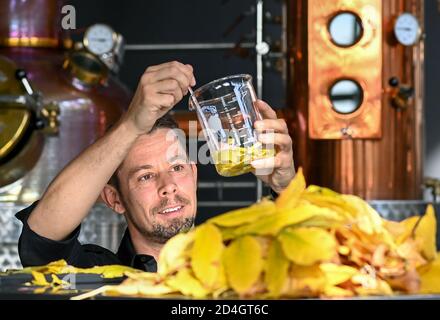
x: 127, y: 255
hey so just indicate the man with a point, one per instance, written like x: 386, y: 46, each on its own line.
x: 151, y: 184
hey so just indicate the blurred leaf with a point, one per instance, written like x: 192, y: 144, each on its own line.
x: 306, y: 281
x: 245, y: 215
x: 425, y: 233
x: 173, y: 255
x: 271, y: 225
x: 289, y: 198
x: 337, y: 274
x: 277, y: 266
x: 243, y: 263
x: 187, y: 284
x: 430, y: 277
x: 305, y: 246
x: 206, y: 254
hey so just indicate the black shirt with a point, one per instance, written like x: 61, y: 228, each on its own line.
x: 35, y: 250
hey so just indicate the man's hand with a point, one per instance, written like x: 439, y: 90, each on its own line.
x: 274, y: 131
x: 160, y: 88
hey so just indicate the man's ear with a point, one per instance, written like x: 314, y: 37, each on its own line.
x: 112, y: 198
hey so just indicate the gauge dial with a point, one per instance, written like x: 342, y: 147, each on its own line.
x: 99, y: 39
x: 407, y: 29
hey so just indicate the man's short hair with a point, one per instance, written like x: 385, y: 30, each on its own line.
x: 166, y: 121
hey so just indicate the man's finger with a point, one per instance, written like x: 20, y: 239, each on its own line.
x: 276, y: 125
x: 282, y: 140
x: 266, y: 111
x: 187, y: 69
x: 171, y: 73
x: 170, y: 86
x: 165, y: 100
x: 265, y: 166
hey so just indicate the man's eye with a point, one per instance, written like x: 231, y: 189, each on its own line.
x: 146, y: 177
x: 178, y: 167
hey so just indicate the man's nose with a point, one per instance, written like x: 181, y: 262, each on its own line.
x: 168, y: 187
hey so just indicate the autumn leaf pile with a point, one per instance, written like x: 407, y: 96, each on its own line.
x: 310, y: 242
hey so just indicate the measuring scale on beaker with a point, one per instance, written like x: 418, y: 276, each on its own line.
x: 226, y: 110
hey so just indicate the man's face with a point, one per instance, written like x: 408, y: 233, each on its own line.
x: 158, y: 186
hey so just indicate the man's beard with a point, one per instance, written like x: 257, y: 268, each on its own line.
x: 162, y: 232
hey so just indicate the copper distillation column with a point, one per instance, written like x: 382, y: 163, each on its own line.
x: 380, y: 155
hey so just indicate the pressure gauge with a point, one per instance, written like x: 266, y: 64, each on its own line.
x: 407, y: 29
x: 100, y: 39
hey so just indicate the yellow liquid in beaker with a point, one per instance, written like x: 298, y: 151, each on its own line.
x: 235, y: 161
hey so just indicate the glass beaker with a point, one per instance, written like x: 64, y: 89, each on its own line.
x: 226, y: 111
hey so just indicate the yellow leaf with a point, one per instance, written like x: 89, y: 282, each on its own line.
x: 329, y: 199
x: 305, y: 246
x: 337, y: 274
x: 367, y: 219
x: 206, y: 254
x: 173, y: 254
x: 426, y: 234
x: 243, y: 263
x: 110, y: 271
x: 187, y: 284
x: 245, y: 215
x: 371, y: 285
x: 39, y: 279
x: 271, y: 225
x: 150, y: 289
x: 333, y: 291
x: 430, y: 277
x: 290, y: 196
x: 277, y: 267
x: 306, y: 281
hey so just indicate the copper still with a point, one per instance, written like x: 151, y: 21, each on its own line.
x: 76, y: 104
x: 376, y: 151
x: 55, y: 100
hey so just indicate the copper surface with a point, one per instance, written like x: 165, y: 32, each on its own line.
x: 386, y: 168
x: 17, y: 118
x: 84, y: 117
x: 30, y: 23
x: 362, y: 62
